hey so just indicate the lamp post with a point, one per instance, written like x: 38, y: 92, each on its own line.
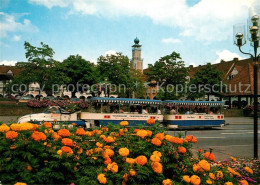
x: 254, y: 39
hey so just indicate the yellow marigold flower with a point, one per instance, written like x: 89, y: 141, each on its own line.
x: 186, y: 178
x: 141, y: 160
x: 204, y: 165
x: 141, y: 133
x: 156, y: 142
x: 26, y: 126
x: 155, y: 158
x: 4, y: 128
x: 113, y: 167
x: 233, y: 159
x: 94, y: 158
x: 124, y: 123
x: 157, y: 167
x: 59, y: 152
x: 228, y: 183
x: 98, y: 144
x: 132, y: 172
x: 149, y: 133
x: 209, y: 181
x: 249, y: 170
x: 20, y: 183
x: 212, y: 176
x: 11, y: 135
x: 243, y: 182
x: 16, y: 127
x: 123, y: 152
x: 159, y: 154
x: 130, y: 160
x: 195, y: 180
x: 101, y: 178
x: 109, y: 139
x: 88, y: 133
x: 167, y: 182
x: 219, y: 174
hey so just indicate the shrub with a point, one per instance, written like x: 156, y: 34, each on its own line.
x: 110, y: 155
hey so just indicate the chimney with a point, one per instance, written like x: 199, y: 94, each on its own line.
x: 222, y: 61
x: 236, y: 59
x: 190, y: 66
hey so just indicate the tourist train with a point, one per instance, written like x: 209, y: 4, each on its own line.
x: 169, y: 113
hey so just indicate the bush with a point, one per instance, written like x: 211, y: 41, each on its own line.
x: 111, y: 155
x: 60, y: 103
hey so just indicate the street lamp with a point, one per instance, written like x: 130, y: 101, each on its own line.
x: 254, y: 39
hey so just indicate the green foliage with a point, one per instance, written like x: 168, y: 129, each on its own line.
x: 206, y: 81
x: 170, y: 72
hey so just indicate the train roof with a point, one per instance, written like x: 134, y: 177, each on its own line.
x: 179, y: 102
x: 126, y: 100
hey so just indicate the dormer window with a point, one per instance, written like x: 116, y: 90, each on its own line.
x: 232, y: 74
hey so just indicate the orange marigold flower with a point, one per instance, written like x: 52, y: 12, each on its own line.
x: 130, y: 160
x: 233, y: 159
x: 105, y: 128
x: 113, y: 167
x: 156, y: 142
x: 159, y: 154
x: 141, y: 133
x: 141, y: 160
x: 195, y: 180
x: 38, y: 136
x: 167, y: 182
x: 64, y: 132
x: 20, y: 183
x: 88, y: 133
x: 67, y: 141
x: 132, y: 172
x: 123, y: 152
x: 98, y: 144
x: 59, y: 152
x: 243, y: 182
x: 160, y: 136
x: 219, y: 174
x: 47, y: 124
x: 212, y: 176
x: 109, y: 152
x: 55, y: 136
x: 89, y: 152
x: 150, y: 121
x: 200, y: 150
x: 149, y: 133
x: 209, y: 156
x: 4, y: 128
x: 186, y: 178
x: 155, y: 158
x: 80, y: 132
x: 182, y: 150
x: 249, y: 170
x: 101, y: 178
x: 191, y: 138
x: 107, y: 161
x: 157, y: 167
x: 228, y: 183
x: 125, y: 177
x: 124, y: 123
x: 176, y: 140
x: 11, y: 135
x: 67, y: 150
x: 209, y: 181
x: 16, y: 127
x: 13, y: 147
x: 98, y: 132
x: 29, y: 168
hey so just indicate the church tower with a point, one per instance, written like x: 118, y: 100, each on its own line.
x: 137, y: 61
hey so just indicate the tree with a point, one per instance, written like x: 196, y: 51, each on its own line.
x: 82, y: 73
x: 41, y: 68
x: 170, y: 72
x: 207, y: 81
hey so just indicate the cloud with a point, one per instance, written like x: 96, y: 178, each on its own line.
x: 110, y: 52
x: 8, y: 23
x: 8, y: 62
x: 226, y: 55
x: 16, y: 38
x: 171, y: 41
x: 208, y: 20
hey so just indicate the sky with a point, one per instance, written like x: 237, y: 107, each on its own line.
x: 200, y: 30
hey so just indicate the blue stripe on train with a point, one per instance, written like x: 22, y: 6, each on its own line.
x: 117, y: 122
x: 189, y: 123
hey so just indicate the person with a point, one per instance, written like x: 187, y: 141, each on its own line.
x: 144, y: 111
x: 159, y: 111
x: 172, y: 111
x: 188, y: 112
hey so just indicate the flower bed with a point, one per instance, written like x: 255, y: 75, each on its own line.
x: 60, y: 103
x: 35, y: 154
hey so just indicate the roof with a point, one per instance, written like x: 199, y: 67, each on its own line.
x: 4, y: 70
x: 178, y: 102
x: 125, y: 100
